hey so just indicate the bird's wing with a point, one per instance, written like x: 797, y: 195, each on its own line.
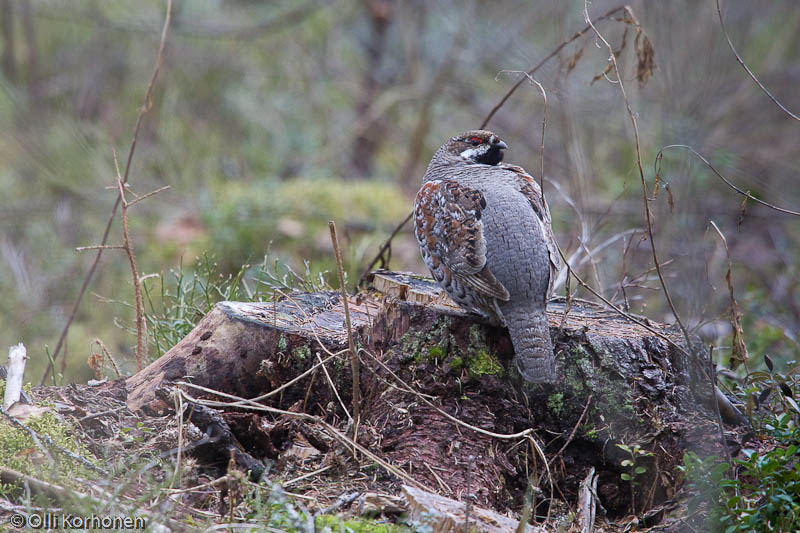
x: 531, y: 190
x: 448, y: 224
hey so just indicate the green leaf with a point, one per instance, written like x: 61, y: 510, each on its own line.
x: 625, y: 477
x: 640, y: 470
x: 793, y: 403
x: 626, y: 463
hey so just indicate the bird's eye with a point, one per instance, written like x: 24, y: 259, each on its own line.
x: 475, y: 141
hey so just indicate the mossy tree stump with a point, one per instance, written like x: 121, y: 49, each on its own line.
x: 619, y: 384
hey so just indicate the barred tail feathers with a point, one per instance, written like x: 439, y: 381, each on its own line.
x: 533, y: 348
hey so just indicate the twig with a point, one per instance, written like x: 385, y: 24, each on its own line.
x: 749, y: 72
x: 586, y: 502
x: 101, y: 413
x: 342, y: 438
x: 100, y: 247
x: 738, y: 348
x: 574, y: 429
x: 107, y: 355
x: 306, y: 476
x: 552, y: 54
x: 341, y: 502
x: 11, y: 418
x: 333, y: 388
x: 613, y: 59
x: 468, y: 506
x: 386, y: 246
x: 137, y: 287
x: 746, y: 194
x: 544, y: 124
x: 350, y: 344
x: 712, y: 376
x: 56, y: 492
x: 178, y: 399
x: 148, y: 195
x: 142, y: 111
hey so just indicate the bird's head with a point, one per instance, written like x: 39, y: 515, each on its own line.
x: 477, y: 146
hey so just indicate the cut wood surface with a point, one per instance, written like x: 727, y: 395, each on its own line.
x: 444, y: 515
x: 619, y: 383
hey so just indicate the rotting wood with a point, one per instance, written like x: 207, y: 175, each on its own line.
x: 462, y: 365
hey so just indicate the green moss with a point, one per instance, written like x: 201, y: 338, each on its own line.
x: 19, y: 452
x: 301, y: 352
x: 356, y: 525
x: 613, y: 400
x: 555, y: 402
x: 436, y: 352
x: 282, y: 344
x: 428, y: 346
x: 483, y: 363
x: 456, y: 362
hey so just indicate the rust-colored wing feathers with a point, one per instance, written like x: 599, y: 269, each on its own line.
x: 450, y: 233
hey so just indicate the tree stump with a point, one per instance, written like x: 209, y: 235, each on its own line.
x: 619, y: 384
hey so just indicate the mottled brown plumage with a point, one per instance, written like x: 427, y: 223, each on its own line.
x: 485, y: 233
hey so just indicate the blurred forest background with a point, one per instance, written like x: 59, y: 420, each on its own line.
x: 271, y: 118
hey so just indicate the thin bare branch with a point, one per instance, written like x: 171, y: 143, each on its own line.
x: 738, y: 346
x: 747, y: 69
x: 386, y: 248
x: 148, y: 195
x: 613, y: 59
x: 350, y: 344
x: 90, y: 273
x: 746, y: 194
x: 541, y: 63
x: 100, y: 247
x: 137, y: 286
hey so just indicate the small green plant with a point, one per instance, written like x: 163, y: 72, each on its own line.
x: 634, y: 468
x: 175, y: 303
x: 761, y: 491
x: 136, y: 435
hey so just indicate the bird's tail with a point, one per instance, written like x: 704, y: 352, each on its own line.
x: 533, y: 348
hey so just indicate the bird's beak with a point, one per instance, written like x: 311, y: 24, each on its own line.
x: 497, y: 143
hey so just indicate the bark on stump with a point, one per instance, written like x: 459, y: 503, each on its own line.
x: 619, y: 384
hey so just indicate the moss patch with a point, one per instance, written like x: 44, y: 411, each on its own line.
x: 356, y: 525
x: 480, y: 360
x: 18, y: 452
x: 301, y: 352
x: 555, y: 402
x: 484, y: 363
x: 430, y: 345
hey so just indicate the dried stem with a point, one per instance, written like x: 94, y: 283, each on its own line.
x: 552, y: 54
x: 90, y: 273
x: 746, y: 194
x: 137, y: 287
x: 354, y: 362
x: 738, y: 346
x: 544, y: 122
x: 613, y: 59
x: 750, y: 72
x: 385, y: 248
